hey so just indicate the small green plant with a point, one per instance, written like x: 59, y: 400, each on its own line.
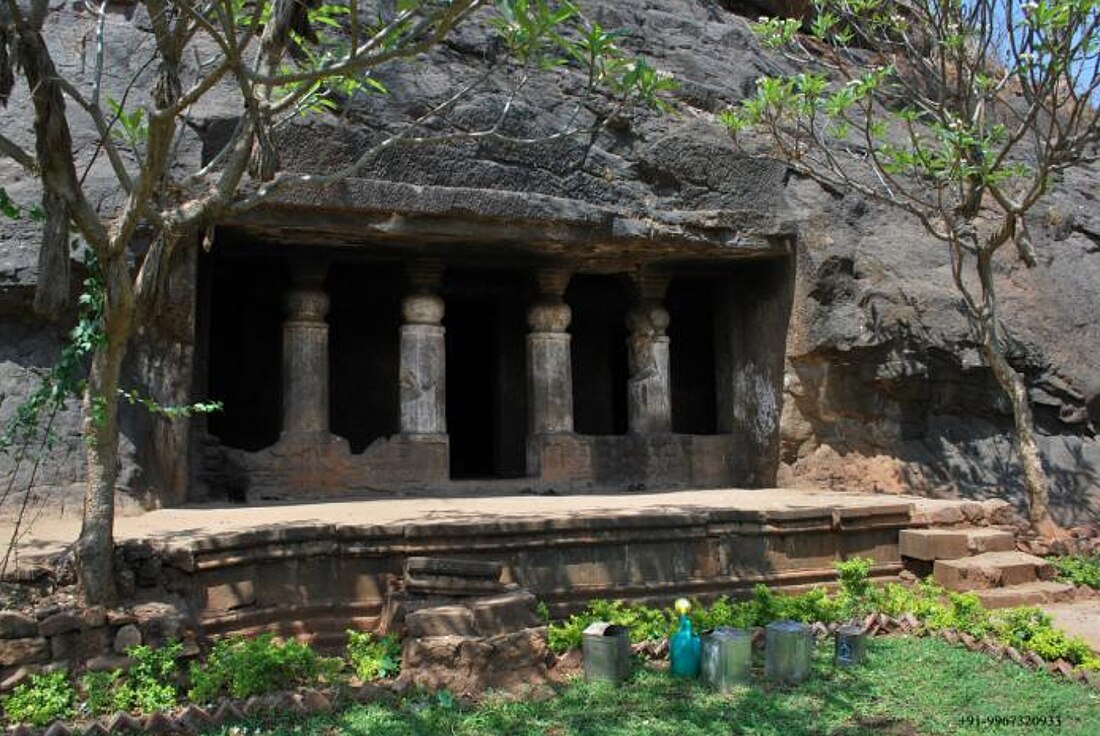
x: 723, y: 613
x: 1032, y: 629
x: 645, y: 623
x: 151, y: 678
x: 241, y: 667
x: 373, y: 657
x: 1079, y: 569
x: 148, y: 686
x: 856, y: 592
x: 103, y: 692
x: 41, y: 700
x: 543, y: 611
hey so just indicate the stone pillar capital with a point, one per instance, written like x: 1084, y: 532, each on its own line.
x: 549, y: 317
x: 648, y: 319
x: 552, y: 283
x: 422, y: 309
x: 306, y: 304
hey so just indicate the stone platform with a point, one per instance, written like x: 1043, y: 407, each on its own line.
x: 314, y: 570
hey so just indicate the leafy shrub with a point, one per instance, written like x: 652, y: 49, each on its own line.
x: 723, y: 613
x: 148, y: 686
x: 644, y: 623
x: 44, y: 698
x: 813, y: 605
x: 1031, y: 629
x: 151, y: 680
x: 103, y: 694
x: 1079, y: 569
x: 855, y: 577
x: 373, y: 657
x: 857, y: 597
x: 242, y: 667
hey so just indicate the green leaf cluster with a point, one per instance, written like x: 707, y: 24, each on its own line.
x: 1079, y: 569
x: 240, y: 667
x: 41, y: 700
x: 134, y: 128
x: 550, y: 34
x: 147, y: 686
x: 644, y: 622
x: 1032, y: 629
x: 855, y: 597
x: 373, y: 657
x: 13, y: 211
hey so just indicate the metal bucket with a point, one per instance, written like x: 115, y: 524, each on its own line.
x: 727, y: 658
x: 851, y: 646
x: 606, y: 652
x: 788, y: 654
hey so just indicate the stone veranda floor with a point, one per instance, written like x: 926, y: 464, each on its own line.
x: 52, y: 530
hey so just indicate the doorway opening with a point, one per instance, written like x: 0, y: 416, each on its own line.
x: 692, y: 368
x: 486, y: 323
x: 364, y: 329
x: 245, y: 346
x: 600, y: 371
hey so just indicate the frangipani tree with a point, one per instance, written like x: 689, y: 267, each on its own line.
x: 959, y: 112
x: 280, y: 59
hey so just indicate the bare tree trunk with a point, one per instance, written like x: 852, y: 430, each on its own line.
x: 95, y: 547
x: 1035, y: 478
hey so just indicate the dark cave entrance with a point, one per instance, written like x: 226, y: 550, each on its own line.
x: 599, y: 305
x: 244, y: 348
x: 364, y: 341
x: 486, y: 373
x: 692, y: 365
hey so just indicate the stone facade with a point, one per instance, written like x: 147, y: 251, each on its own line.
x: 590, y: 409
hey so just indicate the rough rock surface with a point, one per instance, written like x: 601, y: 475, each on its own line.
x: 468, y: 666
x: 884, y: 389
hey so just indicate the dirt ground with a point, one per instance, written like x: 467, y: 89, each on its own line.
x: 1080, y: 618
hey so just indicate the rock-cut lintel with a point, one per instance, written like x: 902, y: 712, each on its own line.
x: 357, y: 211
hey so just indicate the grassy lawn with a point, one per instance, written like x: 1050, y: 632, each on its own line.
x: 909, y: 686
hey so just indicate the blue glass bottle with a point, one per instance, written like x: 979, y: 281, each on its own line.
x: 684, y: 648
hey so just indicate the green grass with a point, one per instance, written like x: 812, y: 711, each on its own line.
x: 908, y: 686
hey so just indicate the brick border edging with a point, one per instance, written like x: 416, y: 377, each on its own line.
x: 883, y: 625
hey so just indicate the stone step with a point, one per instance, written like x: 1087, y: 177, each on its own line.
x: 991, y: 570
x: 1027, y: 594
x: 951, y: 544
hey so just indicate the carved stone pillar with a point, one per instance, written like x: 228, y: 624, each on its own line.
x: 423, y: 355
x: 649, y: 404
x: 305, y: 356
x: 549, y: 358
